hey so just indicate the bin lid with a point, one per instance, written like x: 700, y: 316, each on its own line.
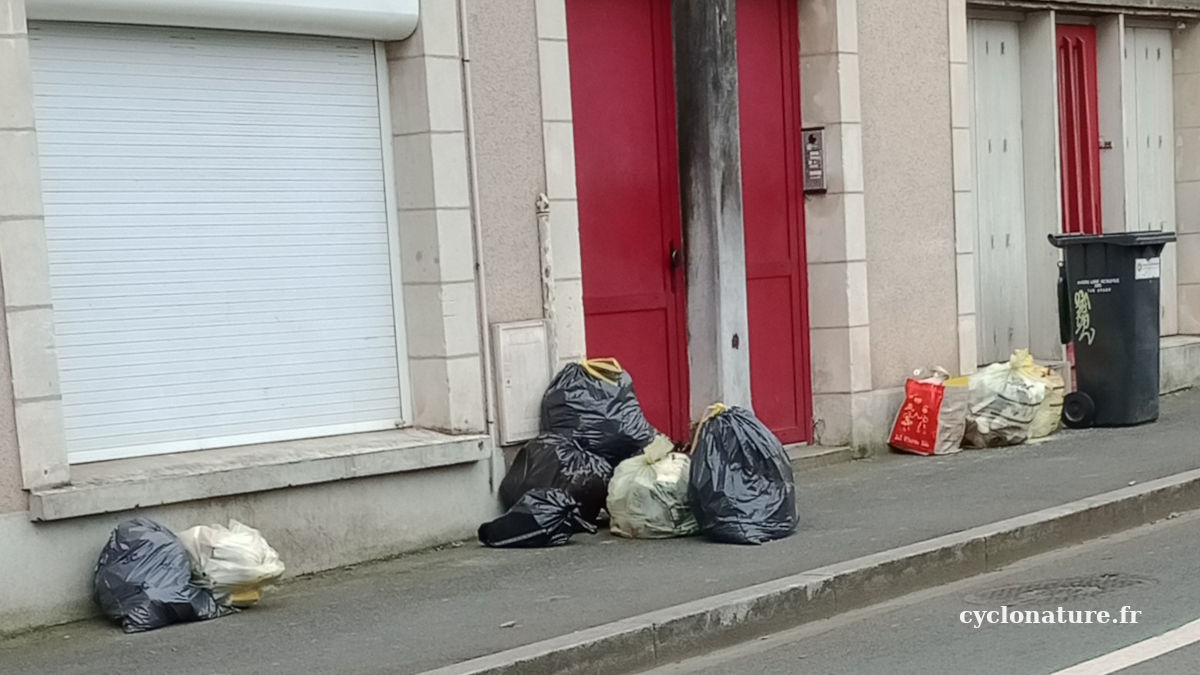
x: 1146, y: 238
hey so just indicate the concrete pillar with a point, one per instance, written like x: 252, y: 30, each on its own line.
x: 835, y: 227
x: 965, y: 226
x: 1187, y: 175
x: 433, y: 203
x: 1043, y: 213
x: 24, y: 273
x: 705, y: 36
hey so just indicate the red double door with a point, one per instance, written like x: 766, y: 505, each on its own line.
x: 631, y: 237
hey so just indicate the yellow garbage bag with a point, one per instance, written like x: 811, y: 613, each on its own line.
x: 1049, y: 412
x: 648, y: 494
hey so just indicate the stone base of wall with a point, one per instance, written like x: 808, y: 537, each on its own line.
x: 314, y: 528
x: 1179, y: 363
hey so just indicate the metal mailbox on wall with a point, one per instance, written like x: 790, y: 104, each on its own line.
x: 814, y: 160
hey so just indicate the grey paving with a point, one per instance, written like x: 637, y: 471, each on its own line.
x: 436, y: 608
x: 923, y: 634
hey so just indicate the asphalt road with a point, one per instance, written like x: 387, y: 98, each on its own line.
x: 1154, y: 570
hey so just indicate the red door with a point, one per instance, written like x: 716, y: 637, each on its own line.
x: 627, y: 178
x: 773, y: 207
x: 1079, y: 128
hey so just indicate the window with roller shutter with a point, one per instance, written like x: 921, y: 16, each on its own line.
x: 220, y: 237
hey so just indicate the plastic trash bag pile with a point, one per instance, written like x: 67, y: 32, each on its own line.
x: 147, y: 577
x: 1006, y: 403
x: 597, y: 455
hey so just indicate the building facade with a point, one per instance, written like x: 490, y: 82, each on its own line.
x: 312, y: 270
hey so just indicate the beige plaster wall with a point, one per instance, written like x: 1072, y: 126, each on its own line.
x: 15, y: 119
x: 11, y: 496
x: 1187, y: 176
x: 508, y: 140
x: 908, y: 183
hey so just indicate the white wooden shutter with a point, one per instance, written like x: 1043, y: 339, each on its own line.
x: 1150, y: 148
x: 218, y: 236
x: 1000, y: 250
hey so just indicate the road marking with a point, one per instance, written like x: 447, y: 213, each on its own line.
x: 1139, y: 652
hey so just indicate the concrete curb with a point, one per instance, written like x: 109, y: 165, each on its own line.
x: 807, y: 458
x: 686, y: 630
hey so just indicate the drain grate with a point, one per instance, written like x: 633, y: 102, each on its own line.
x: 1057, y: 591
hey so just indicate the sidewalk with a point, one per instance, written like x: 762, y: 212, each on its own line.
x: 432, y: 609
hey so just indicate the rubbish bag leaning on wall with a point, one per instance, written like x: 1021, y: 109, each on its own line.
x: 933, y: 417
x: 1004, y: 400
x: 541, y: 517
x: 1048, y: 417
x: 554, y: 461
x: 592, y: 402
x: 143, y: 579
x: 235, y: 561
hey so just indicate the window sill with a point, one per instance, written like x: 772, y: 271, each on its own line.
x: 120, y: 485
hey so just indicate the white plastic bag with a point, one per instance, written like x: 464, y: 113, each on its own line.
x: 648, y: 494
x: 236, y: 561
x: 1004, y: 400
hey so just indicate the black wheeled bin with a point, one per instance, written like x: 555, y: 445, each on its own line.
x: 1108, y: 308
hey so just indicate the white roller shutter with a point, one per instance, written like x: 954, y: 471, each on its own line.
x: 218, y: 236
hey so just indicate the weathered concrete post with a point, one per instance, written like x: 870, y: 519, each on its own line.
x: 706, y: 91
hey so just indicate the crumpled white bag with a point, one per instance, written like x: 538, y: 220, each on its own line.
x: 1005, y: 398
x: 235, y: 561
x: 648, y: 494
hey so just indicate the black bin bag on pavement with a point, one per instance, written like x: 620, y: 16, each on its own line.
x: 143, y: 579
x: 541, y: 517
x: 741, y: 486
x: 592, y: 402
x: 554, y: 461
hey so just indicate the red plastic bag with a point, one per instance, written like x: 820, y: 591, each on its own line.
x: 933, y: 417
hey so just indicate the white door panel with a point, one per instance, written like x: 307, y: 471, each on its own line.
x: 1003, y: 305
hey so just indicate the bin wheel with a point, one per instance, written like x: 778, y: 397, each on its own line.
x: 1079, y: 410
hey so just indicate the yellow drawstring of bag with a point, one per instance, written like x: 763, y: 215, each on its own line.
x: 712, y: 411
x: 607, y: 370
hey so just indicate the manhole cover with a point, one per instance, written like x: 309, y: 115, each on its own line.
x: 1057, y: 591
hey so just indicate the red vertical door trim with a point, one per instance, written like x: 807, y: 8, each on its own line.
x: 773, y: 210
x: 627, y: 179
x: 1079, y: 129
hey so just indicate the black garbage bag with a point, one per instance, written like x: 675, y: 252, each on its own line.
x: 554, y: 461
x: 741, y: 490
x: 541, y: 517
x: 143, y: 579
x: 593, y: 403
